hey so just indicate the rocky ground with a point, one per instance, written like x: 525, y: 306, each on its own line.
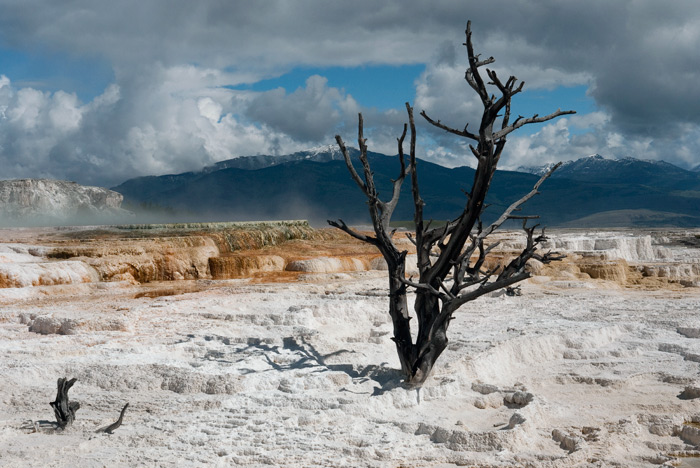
x: 44, y: 202
x: 293, y: 366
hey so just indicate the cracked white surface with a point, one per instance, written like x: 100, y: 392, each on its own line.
x: 304, y: 374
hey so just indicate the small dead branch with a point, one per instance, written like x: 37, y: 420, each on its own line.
x: 514, y: 291
x: 114, y: 426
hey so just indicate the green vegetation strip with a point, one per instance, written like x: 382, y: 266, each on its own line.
x: 217, y: 226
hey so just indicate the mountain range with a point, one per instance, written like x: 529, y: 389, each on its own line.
x: 596, y: 168
x: 315, y: 185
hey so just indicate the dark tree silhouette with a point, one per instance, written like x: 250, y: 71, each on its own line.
x: 63, y: 408
x: 451, y: 257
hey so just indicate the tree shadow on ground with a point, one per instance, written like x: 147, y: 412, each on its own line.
x: 310, y: 358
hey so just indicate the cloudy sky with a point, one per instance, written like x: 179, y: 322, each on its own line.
x: 100, y: 91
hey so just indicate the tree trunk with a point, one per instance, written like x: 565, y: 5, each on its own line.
x: 417, y: 359
x: 62, y: 407
x: 398, y: 310
x: 431, y: 351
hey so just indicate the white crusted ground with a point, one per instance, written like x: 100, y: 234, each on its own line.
x: 240, y: 374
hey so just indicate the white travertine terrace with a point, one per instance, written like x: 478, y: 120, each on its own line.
x: 303, y: 373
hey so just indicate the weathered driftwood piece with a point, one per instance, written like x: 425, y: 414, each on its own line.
x: 62, y: 407
x: 114, y: 426
x: 451, y: 258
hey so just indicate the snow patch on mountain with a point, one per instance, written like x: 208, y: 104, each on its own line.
x: 588, y: 162
x: 597, y: 165
x: 322, y: 153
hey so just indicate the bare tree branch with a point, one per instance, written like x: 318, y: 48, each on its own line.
x: 487, y: 288
x: 348, y: 162
x: 344, y: 227
x: 115, y: 425
x: 472, y: 74
x: 444, y: 296
x: 463, y: 133
x: 534, y: 119
x: 389, y: 207
x: 422, y: 250
x: 402, y: 161
x: 517, y: 204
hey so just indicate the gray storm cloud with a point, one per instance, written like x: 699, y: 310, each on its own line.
x: 307, y: 114
x: 176, y: 105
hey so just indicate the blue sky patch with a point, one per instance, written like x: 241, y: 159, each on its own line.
x: 546, y: 101
x: 86, y: 77
x: 381, y: 86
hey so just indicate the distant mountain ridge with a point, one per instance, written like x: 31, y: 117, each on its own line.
x: 315, y: 185
x: 597, y: 168
x: 320, y: 154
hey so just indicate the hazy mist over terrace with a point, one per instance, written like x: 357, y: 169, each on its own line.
x: 99, y: 93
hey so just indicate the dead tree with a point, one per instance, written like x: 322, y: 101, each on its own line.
x: 63, y: 408
x: 451, y: 257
